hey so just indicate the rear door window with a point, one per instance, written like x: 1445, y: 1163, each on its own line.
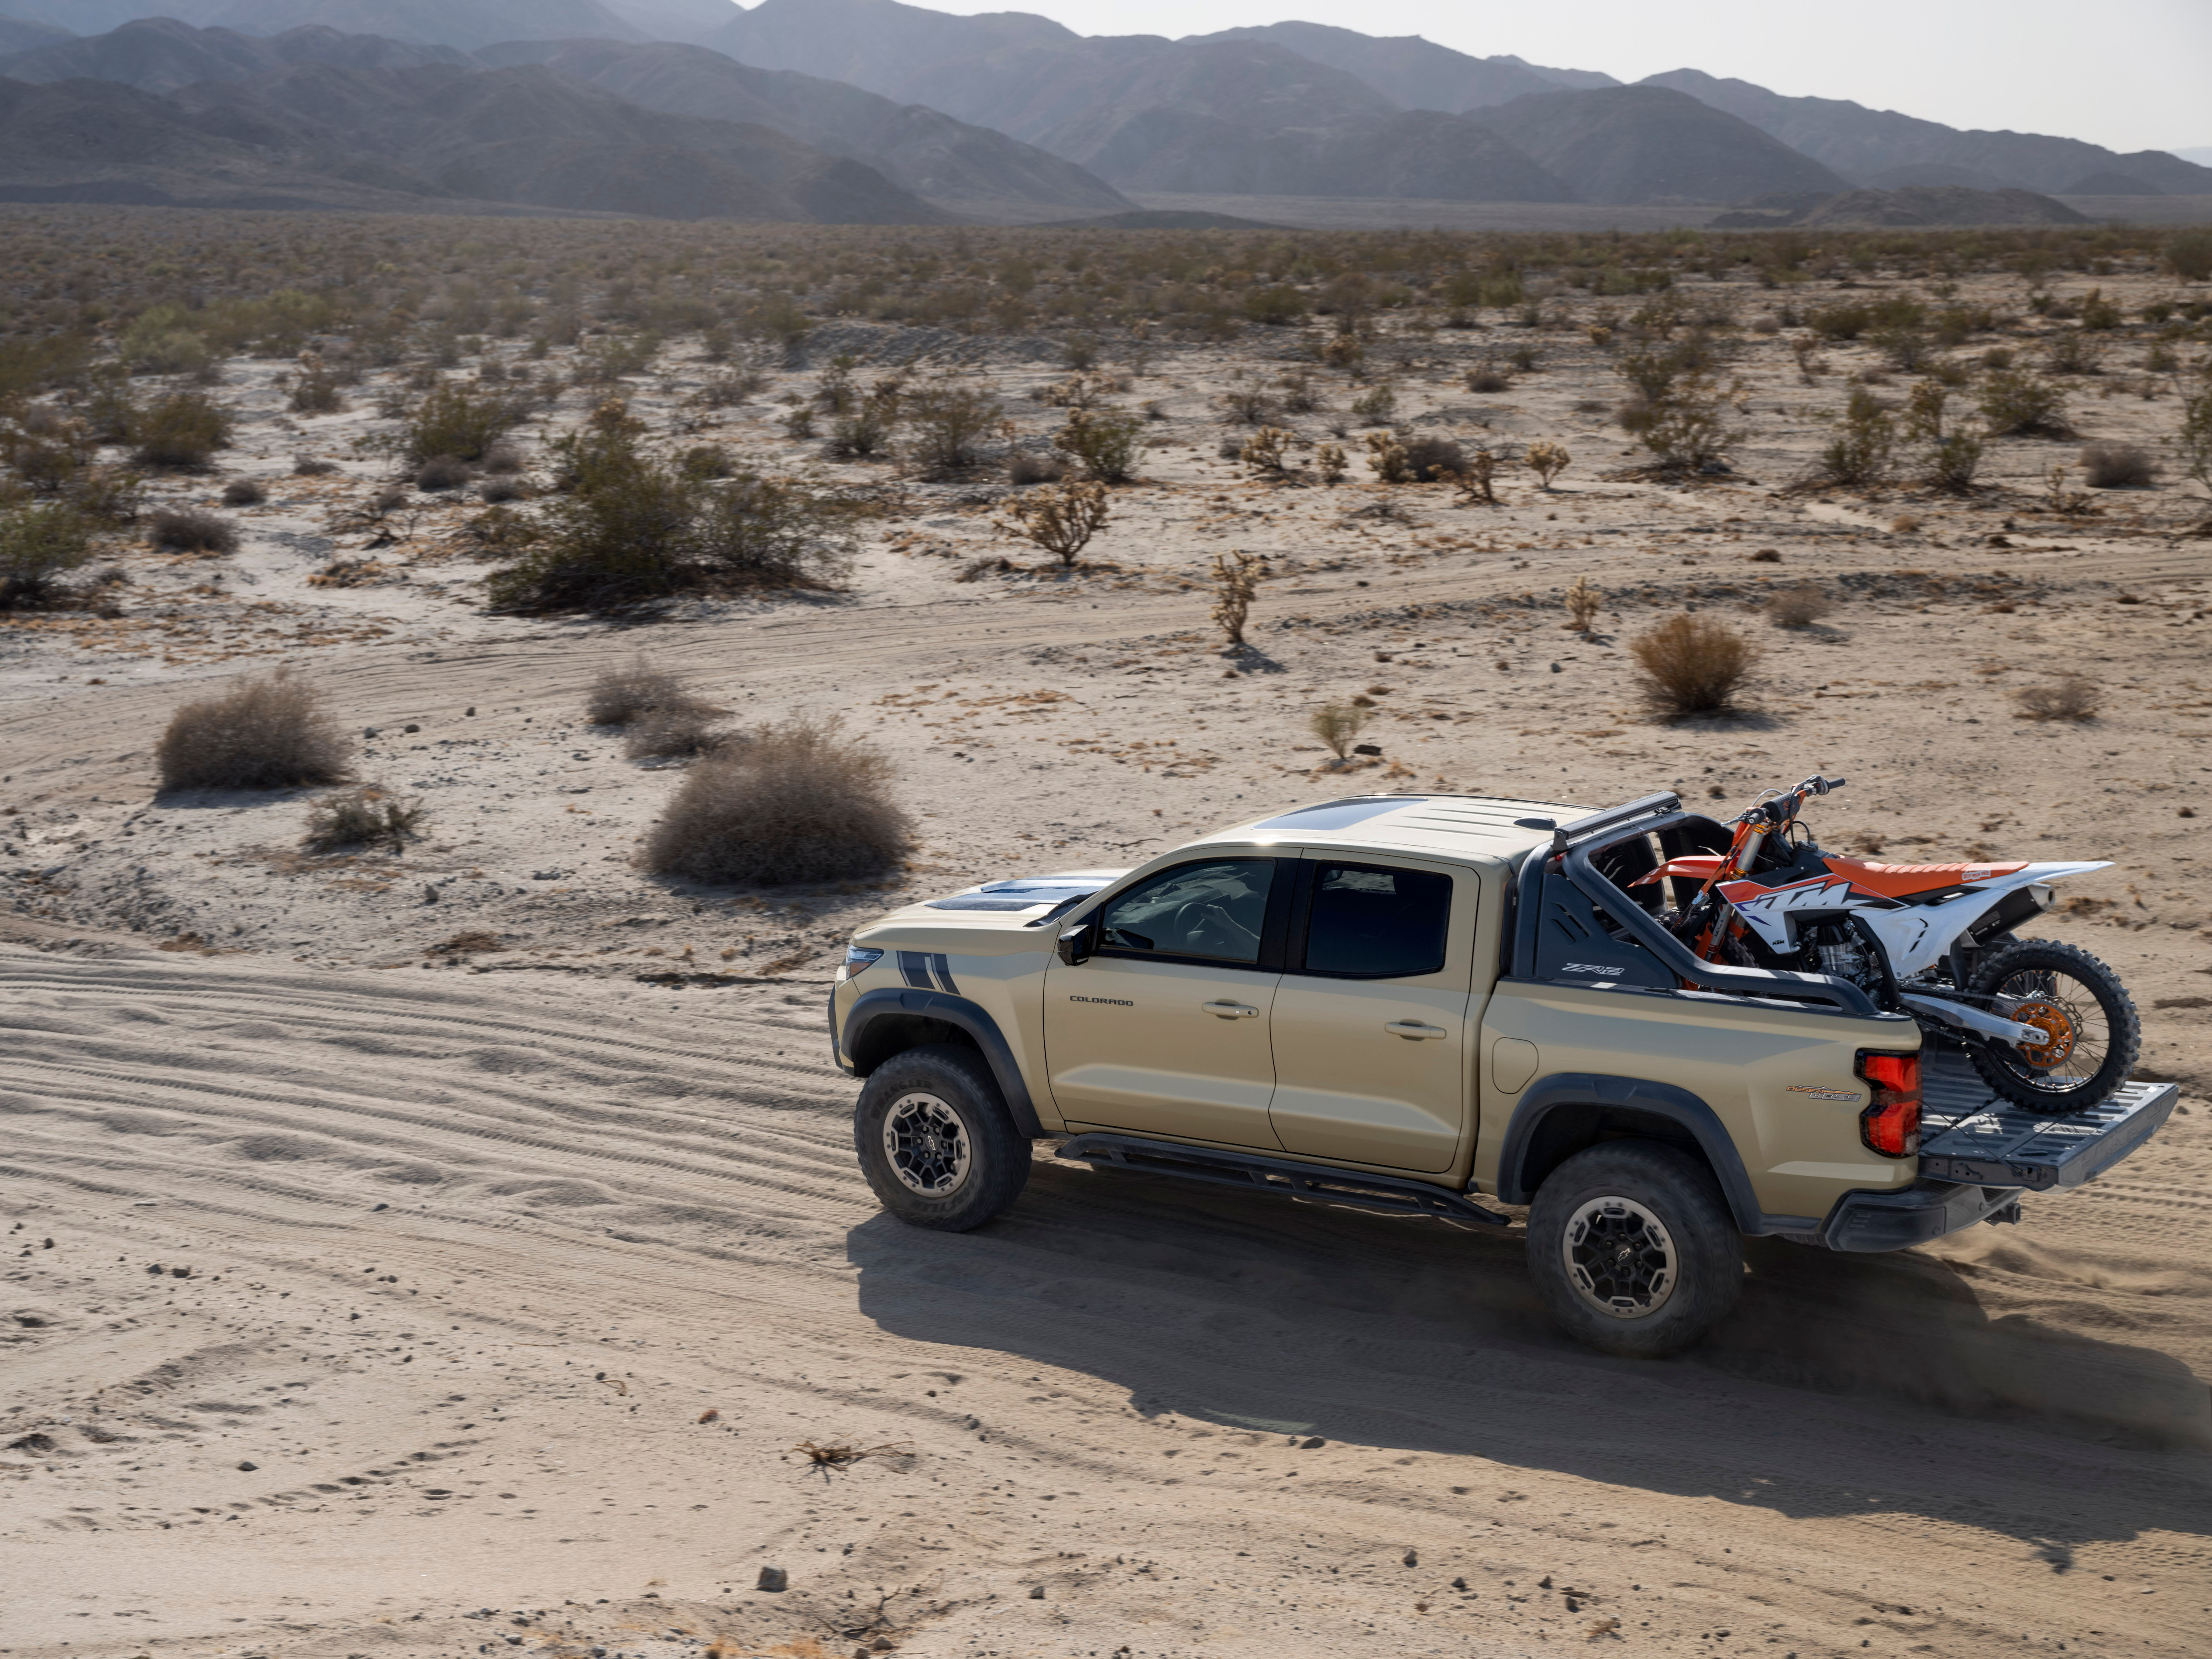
x: 1369, y: 922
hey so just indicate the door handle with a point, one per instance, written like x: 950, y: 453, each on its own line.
x: 1230, y: 1010
x: 1413, y: 1031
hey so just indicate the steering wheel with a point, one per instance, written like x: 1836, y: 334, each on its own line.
x: 1191, y: 920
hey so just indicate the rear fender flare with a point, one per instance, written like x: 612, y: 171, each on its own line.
x: 962, y: 1014
x: 1522, y: 1161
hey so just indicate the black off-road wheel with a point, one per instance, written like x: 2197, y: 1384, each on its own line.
x: 2095, y: 1033
x: 1632, y: 1249
x: 936, y: 1140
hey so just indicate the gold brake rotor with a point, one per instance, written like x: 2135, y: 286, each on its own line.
x: 2053, y: 1019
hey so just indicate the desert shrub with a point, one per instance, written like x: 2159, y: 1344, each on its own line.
x: 440, y: 473
x: 1428, y: 460
x: 1694, y: 664
x: 2076, y: 352
x: 617, y: 696
x: 182, y: 430
x: 608, y: 357
x: 39, y: 545
x: 2118, y: 467
x: 244, y: 492
x: 269, y: 732
x: 799, y: 802
x: 497, y: 492
x: 1338, y: 725
x: 312, y: 466
x: 1026, y: 467
x: 946, y: 423
x: 2190, y: 254
x: 315, y: 388
x: 1858, y: 456
x: 1266, y: 453
x: 633, y: 528
x: 1278, y: 307
x: 1547, y: 460
x: 108, y: 494
x: 2016, y: 403
x: 1487, y: 376
x: 187, y: 530
x: 1080, y: 351
x: 362, y: 816
x: 33, y: 363
x: 162, y: 341
x: 1687, y: 430
x: 1476, y: 478
x: 501, y: 459
x: 1107, y: 445
x: 865, y: 429
x: 453, y: 421
x: 706, y: 462
x: 1061, y: 518
x: 1949, y: 455
x: 1376, y: 407
x: 2194, y: 439
x: 2069, y: 697
x: 1329, y: 461
x: 1300, y: 395
x: 674, y: 732
x: 1235, y: 579
x: 1799, y: 606
x: 1584, y: 599
x: 1386, y: 457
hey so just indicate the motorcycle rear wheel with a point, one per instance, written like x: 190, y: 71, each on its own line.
x: 2096, y: 1034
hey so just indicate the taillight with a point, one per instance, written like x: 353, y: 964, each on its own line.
x: 1890, y: 1124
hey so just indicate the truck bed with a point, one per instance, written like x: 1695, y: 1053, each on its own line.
x: 1970, y: 1134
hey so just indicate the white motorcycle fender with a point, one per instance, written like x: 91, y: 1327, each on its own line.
x: 1917, y: 937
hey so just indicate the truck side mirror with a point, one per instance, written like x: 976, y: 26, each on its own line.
x: 1075, y: 945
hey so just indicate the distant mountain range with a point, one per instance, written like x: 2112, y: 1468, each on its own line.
x: 877, y: 112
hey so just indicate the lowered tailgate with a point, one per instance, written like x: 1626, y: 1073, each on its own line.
x: 1970, y: 1134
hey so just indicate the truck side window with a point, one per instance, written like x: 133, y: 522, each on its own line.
x: 1367, y: 922
x: 1215, y: 911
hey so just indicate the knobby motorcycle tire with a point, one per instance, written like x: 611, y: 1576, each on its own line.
x: 2008, y: 1071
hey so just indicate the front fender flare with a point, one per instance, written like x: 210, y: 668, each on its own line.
x: 1678, y: 1106
x: 967, y: 1017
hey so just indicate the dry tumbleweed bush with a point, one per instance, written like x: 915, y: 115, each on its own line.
x: 267, y: 734
x: 358, y: 818
x: 2070, y: 697
x: 799, y: 802
x: 1800, y: 606
x: 619, y: 696
x: 1693, y: 665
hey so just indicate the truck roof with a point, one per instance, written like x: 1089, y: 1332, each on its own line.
x: 1483, y: 826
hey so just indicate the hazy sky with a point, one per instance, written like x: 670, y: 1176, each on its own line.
x: 2129, y: 73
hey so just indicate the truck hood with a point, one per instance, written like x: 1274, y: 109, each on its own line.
x: 1027, y: 892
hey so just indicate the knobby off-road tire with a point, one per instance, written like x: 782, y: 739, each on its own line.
x: 1632, y: 1249
x: 2101, y: 1034
x: 936, y: 1140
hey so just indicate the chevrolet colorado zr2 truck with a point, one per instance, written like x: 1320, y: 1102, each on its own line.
x: 1436, y: 1005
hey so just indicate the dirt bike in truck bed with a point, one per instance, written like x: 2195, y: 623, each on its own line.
x: 1446, y: 1005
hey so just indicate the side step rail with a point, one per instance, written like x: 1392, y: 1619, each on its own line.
x: 1390, y: 1195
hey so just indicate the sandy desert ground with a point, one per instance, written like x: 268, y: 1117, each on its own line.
x: 576, y: 1253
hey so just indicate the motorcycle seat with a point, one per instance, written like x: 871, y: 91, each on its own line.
x: 1905, y: 880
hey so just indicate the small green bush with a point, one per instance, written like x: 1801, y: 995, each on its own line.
x: 1859, y: 454
x: 2189, y: 253
x: 2017, y: 403
x: 1106, y: 444
x: 39, y: 545
x: 181, y: 431
x: 632, y: 528
x: 453, y: 420
x: 946, y: 424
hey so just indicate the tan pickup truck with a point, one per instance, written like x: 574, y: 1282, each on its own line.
x: 1435, y: 1004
